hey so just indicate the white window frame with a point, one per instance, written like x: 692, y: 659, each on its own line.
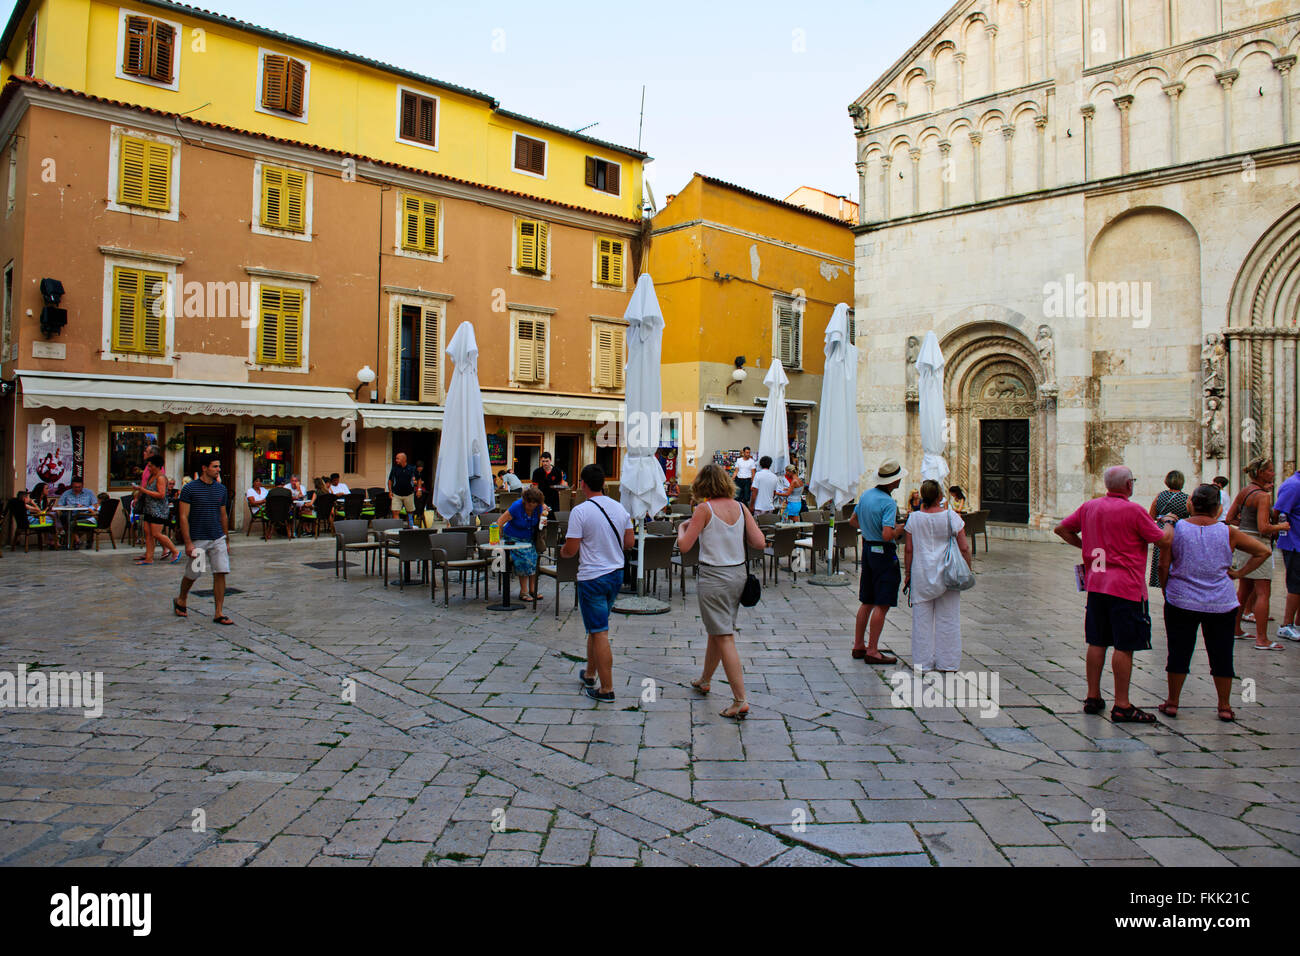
x: 779, y: 299
x: 595, y: 262
x: 606, y: 192
x: 261, y: 230
x: 437, y: 120
x: 515, y: 316
x: 255, y: 293
x: 173, y: 212
x: 546, y: 166
x: 262, y: 53
x: 596, y: 322
x: 120, y: 53
x: 400, y: 226
x: 514, y: 249
x: 395, y: 302
x: 106, y: 352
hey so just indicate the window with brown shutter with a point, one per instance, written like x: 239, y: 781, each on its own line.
x: 150, y: 49
x: 30, y: 65
x: 419, y: 118
x: 602, y: 175
x: 530, y: 155
x: 284, y: 84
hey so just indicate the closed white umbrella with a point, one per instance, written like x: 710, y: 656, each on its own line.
x: 462, y: 484
x: 641, y: 480
x: 774, y: 436
x: 837, y: 462
x: 929, y: 370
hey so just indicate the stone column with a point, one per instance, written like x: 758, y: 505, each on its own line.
x: 1008, y: 154
x: 1170, y: 6
x: 992, y: 30
x: 1226, y: 79
x: 885, y: 163
x: 929, y: 91
x: 1283, y: 64
x: 902, y: 109
x: 1024, y: 37
x: 862, y: 193
x: 1174, y: 92
x: 960, y: 59
x: 1040, y: 124
x: 1123, y: 104
x: 945, y: 147
x: 915, y: 154
x: 1088, y: 111
x: 975, y: 139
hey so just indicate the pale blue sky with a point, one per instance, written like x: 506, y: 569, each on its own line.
x: 726, y: 93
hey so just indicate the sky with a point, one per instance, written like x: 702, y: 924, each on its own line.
x: 754, y: 93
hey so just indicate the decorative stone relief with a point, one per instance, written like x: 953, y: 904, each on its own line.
x: 913, y: 351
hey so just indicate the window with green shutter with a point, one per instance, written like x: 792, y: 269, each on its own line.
x: 284, y: 199
x: 279, y: 330
x: 144, y: 173
x: 420, y: 224
x: 139, y: 311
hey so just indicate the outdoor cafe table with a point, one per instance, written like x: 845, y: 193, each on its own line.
x: 505, y: 547
x: 71, y: 521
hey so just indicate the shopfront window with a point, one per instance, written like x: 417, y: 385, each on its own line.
x: 126, y: 445
x: 273, y: 457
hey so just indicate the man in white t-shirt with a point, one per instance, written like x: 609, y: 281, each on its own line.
x: 337, y: 487
x: 599, y: 531
x: 744, y: 474
x: 767, y: 485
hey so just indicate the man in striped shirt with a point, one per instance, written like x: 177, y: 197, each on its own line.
x: 204, y: 525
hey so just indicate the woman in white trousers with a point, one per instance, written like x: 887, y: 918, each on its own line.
x: 936, y: 611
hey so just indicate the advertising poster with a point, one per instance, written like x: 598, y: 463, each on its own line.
x: 50, y: 456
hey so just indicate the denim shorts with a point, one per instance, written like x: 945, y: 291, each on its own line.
x: 596, y: 597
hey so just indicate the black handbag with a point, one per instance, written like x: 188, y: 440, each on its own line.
x: 752, y: 591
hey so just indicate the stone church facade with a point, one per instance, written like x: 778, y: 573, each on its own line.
x: 1095, y: 204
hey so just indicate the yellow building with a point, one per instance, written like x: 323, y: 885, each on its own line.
x: 742, y: 278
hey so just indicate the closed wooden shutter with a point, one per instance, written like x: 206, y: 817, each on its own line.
x: 268, y: 329
x: 430, y: 356
x: 590, y: 178
x: 530, y: 350
x: 139, y: 311
x: 275, y: 70
x: 411, y: 222
x: 291, y: 327
x: 144, y: 173
x: 296, y: 88
x: 543, y: 247
x: 609, y: 356
x: 284, y: 199
x: 163, y: 49
x: 158, y: 175
x: 395, y: 355
x: 135, y: 58
x: 530, y: 155
x: 609, y: 262
x: 30, y: 59
x: 272, y: 196
x: 428, y: 120
x: 279, y: 340
x: 789, y: 337
x: 410, y: 115
x: 429, y: 211
x: 611, y: 178
x: 526, y: 240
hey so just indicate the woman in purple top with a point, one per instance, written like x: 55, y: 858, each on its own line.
x: 1197, y: 576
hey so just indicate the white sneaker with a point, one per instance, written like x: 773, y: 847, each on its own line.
x: 1289, y: 631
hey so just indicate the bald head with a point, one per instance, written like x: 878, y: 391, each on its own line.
x: 1119, y: 478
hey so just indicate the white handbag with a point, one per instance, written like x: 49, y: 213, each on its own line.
x: 957, y: 574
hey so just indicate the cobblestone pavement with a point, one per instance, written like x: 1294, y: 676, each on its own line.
x: 342, y: 723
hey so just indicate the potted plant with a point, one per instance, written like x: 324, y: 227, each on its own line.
x: 248, y: 443
x: 176, y: 442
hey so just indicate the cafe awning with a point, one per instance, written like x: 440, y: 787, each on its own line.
x: 167, y: 396
x: 555, y: 407
x: 404, y: 417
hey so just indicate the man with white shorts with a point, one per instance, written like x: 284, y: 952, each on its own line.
x: 205, y: 526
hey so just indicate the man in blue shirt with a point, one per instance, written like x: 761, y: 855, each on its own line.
x: 1288, y: 506
x: 77, y: 496
x: 876, y: 517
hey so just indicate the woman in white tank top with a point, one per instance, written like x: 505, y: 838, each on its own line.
x: 722, y: 526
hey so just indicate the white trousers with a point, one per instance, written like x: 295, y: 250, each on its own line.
x: 936, y: 632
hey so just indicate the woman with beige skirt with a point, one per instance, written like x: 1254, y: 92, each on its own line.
x: 722, y: 526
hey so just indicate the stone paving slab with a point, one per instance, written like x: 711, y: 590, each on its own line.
x: 341, y: 723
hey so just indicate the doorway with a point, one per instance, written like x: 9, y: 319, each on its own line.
x: 216, y: 439
x: 568, y: 453
x: 419, y: 446
x: 528, y: 454
x: 1004, y: 469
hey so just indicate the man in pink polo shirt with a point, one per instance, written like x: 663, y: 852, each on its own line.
x: 1115, y: 533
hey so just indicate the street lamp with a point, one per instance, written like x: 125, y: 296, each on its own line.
x: 365, y: 376
x: 739, y: 375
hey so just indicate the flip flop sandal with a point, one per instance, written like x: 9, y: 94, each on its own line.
x: 1168, y: 709
x: 175, y: 559
x: 1131, y: 715
x: 179, y: 608
x: 1231, y: 716
x: 139, y: 563
x: 1093, y: 705
x: 701, y: 687
x: 222, y: 619
x: 1271, y: 646
x: 881, y: 659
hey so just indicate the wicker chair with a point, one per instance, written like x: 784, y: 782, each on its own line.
x: 102, y: 523
x: 450, y: 551
x: 278, y: 512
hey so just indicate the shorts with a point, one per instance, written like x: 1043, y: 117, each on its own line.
x: 1117, y: 622
x: 882, y: 575
x: 1262, y: 573
x: 596, y: 597
x: 1216, y: 630
x: 212, y: 556
x: 404, y: 501
x: 1291, y: 559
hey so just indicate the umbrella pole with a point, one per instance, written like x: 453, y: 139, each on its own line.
x: 640, y: 558
x: 829, y: 580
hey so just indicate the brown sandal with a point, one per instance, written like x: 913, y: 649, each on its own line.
x: 1168, y: 709
x: 179, y: 608
x: 1131, y: 715
x: 1231, y: 716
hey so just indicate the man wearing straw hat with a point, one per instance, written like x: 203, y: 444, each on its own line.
x: 876, y: 517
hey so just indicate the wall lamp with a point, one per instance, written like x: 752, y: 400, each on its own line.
x: 739, y: 375
x: 365, y: 376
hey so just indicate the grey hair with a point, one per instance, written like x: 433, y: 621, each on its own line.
x: 1117, y: 476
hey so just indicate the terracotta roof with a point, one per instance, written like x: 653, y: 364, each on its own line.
x: 16, y: 82
x: 776, y: 202
x: 198, y: 13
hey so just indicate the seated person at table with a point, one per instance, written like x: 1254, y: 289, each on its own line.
x: 914, y: 500
x: 511, y: 480
x: 957, y: 499
x: 519, y: 523
x: 37, y: 519
x: 338, y: 487
x: 256, y: 496
x: 77, y: 496
x: 298, y: 489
